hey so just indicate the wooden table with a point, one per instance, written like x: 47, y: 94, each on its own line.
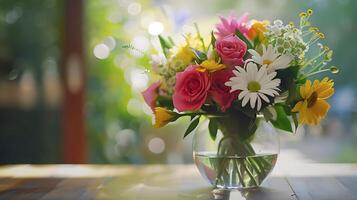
x: 163, y: 182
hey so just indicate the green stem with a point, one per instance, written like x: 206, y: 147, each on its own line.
x: 249, y: 173
x: 314, y: 73
x: 241, y: 180
x: 256, y: 168
x: 312, y: 59
x: 200, y: 37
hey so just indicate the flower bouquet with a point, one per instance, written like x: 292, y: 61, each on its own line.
x: 246, y: 79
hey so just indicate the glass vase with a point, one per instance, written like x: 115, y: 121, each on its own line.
x: 242, y: 155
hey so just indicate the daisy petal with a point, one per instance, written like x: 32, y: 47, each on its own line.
x: 245, y: 100
x: 259, y: 104
x: 253, y: 98
x: 242, y: 94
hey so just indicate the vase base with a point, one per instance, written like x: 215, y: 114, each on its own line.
x: 235, y: 172
x: 220, y: 187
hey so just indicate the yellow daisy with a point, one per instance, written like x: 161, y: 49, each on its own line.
x: 164, y: 116
x: 313, y: 106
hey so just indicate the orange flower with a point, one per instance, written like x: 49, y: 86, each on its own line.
x: 257, y: 30
x: 164, y: 116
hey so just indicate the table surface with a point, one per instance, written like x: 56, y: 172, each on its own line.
x: 303, y: 182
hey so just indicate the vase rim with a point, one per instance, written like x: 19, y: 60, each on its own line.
x: 226, y: 115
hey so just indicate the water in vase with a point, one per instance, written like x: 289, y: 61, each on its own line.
x: 235, y: 171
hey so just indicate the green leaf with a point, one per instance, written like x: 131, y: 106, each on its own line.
x: 287, y: 77
x: 213, y: 40
x: 192, y: 125
x: 292, y: 94
x: 256, y: 42
x: 242, y: 37
x: 292, y: 71
x: 199, y: 55
x: 171, y: 41
x: 165, y: 102
x: 213, y: 128
x: 193, y: 116
x: 282, y: 121
x: 165, y: 44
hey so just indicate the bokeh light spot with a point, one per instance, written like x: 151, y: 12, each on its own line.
x: 101, y: 51
x: 156, y: 28
x: 156, y: 145
x: 138, y: 79
x: 134, y: 8
x: 134, y: 107
x: 110, y: 42
x: 140, y: 44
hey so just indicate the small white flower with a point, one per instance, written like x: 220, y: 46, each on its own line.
x: 278, y: 22
x: 271, y: 58
x: 157, y: 60
x: 255, y: 84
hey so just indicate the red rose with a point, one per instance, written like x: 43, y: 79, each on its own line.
x: 191, y: 89
x: 219, y: 92
x: 231, y: 49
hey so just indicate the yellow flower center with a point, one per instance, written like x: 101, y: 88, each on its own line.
x: 267, y: 62
x: 312, y: 100
x: 253, y: 86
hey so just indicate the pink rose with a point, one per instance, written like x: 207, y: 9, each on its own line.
x: 150, y: 95
x: 191, y: 89
x: 231, y: 49
x: 219, y: 92
x: 229, y: 26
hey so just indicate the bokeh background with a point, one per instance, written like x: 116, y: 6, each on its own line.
x: 70, y: 92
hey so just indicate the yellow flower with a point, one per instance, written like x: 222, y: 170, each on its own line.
x: 195, y: 41
x: 302, y: 14
x: 212, y: 65
x: 309, y: 12
x: 164, y: 116
x: 313, y: 106
x: 183, y: 51
x: 257, y: 30
x: 185, y: 54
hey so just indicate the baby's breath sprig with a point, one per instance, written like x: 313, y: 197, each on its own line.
x: 311, y: 34
x: 304, y: 19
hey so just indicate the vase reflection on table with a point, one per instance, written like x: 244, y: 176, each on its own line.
x: 242, y: 155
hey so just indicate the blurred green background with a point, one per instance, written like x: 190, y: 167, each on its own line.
x: 118, y: 123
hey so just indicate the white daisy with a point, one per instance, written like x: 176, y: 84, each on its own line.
x: 255, y: 84
x: 271, y: 58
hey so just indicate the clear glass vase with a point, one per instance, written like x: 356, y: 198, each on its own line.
x: 242, y: 155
